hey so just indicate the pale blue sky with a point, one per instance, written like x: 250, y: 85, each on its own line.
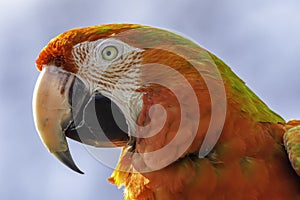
x: 258, y: 39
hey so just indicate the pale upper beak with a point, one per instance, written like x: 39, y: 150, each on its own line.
x: 51, y: 109
x: 84, y: 117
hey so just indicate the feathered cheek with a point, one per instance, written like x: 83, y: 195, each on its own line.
x: 164, y: 132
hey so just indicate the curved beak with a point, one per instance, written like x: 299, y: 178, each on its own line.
x: 52, y: 111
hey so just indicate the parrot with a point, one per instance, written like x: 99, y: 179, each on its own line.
x: 188, y: 126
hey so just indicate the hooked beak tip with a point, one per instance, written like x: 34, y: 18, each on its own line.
x: 66, y: 158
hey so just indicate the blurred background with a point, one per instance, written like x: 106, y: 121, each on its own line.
x: 258, y: 39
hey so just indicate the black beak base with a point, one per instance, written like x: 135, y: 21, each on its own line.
x: 96, y: 120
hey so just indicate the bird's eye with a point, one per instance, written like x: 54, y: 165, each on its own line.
x: 109, y: 53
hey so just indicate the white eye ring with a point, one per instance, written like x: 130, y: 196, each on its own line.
x: 109, y: 53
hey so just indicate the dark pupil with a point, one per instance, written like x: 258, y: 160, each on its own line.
x: 108, y: 53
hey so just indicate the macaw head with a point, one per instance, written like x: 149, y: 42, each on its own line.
x: 143, y: 88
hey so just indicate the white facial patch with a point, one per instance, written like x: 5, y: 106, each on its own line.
x: 92, y: 59
x: 90, y: 54
x: 112, y: 67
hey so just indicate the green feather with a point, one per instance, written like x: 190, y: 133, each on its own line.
x: 249, y: 101
x: 239, y: 92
